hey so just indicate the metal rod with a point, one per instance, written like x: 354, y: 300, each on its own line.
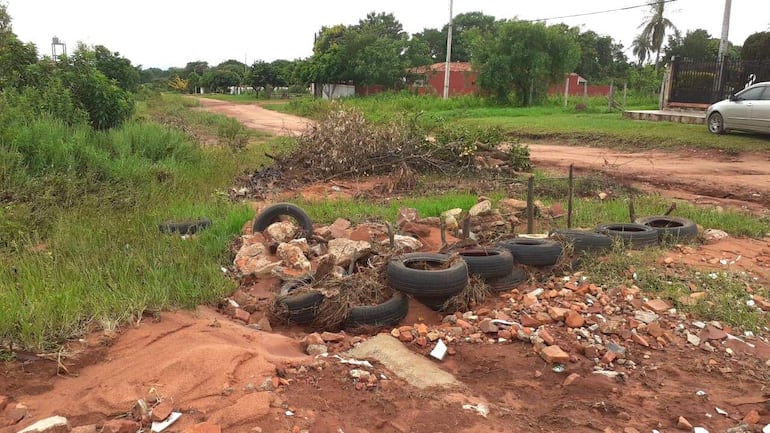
x: 448, y: 66
x: 531, y: 204
x: 570, y: 196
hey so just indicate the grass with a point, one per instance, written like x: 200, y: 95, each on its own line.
x: 596, y: 125
x: 98, y: 259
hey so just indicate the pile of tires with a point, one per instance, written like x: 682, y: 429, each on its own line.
x: 431, y: 278
x: 533, y: 251
x: 671, y: 229
x: 632, y: 235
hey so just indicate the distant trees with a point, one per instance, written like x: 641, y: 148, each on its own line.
x: 697, y: 45
x: 756, y: 47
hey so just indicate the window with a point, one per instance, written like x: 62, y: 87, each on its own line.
x: 751, y: 94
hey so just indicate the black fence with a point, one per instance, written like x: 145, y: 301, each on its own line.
x: 706, y: 82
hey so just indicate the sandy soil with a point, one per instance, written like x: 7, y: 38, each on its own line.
x: 216, y: 369
x: 257, y: 117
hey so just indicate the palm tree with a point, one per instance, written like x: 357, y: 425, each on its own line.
x: 654, y: 30
x: 640, y: 48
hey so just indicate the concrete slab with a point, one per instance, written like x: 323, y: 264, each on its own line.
x: 409, y: 366
x: 676, y: 116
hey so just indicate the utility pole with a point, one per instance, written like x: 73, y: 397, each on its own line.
x: 448, y: 65
x: 725, y: 30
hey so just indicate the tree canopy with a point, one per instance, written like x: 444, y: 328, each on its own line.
x: 756, y: 47
x: 655, y: 28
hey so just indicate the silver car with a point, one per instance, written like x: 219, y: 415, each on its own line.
x: 747, y: 110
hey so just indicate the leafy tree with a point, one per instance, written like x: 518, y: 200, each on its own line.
x: 283, y: 71
x: 220, y: 80
x: 461, y: 38
x: 179, y: 84
x: 654, y: 30
x: 417, y: 53
x: 640, y: 48
x: 193, y: 82
x: 262, y: 75
x: 199, y: 67
x: 15, y: 56
x: 115, y: 67
x: 435, y: 41
x: 756, y: 47
x: 238, y: 68
x: 601, y: 57
x: 523, y: 58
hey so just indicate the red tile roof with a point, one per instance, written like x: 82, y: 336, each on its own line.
x: 454, y: 67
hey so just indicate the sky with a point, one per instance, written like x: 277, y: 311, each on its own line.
x: 166, y: 33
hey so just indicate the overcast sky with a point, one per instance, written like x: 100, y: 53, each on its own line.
x: 163, y: 33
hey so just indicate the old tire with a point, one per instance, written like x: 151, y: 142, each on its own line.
x: 301, y: 308
x: 533, y: 252
x: 272, y: 213
x: 494, y: 262
x: 632, y: 235
x: 388, y: 313
x: 716, y: 123
x: 438, y: 283
x: 435, y: 304
x: 582, y: 240
x: 508, y: 282
x: 185, y: 227
x: 671, y: 229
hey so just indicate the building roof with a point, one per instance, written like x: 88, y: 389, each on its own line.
x: 454, y: 67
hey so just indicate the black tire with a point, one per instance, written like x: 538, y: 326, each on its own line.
x: 494, y: 262
x: 716, y: 123
x: 582, y: 240
x: 671, y: 229
x: 439, y: 283
x: 388, y: 313
x: 301, y: 308
x: 271, y: 214
x: 186, y: 227
x: 533, y: 252
x: 631, y: 234
x: 508, y: 282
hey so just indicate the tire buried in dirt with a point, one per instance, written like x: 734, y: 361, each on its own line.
x: 388, y: 313
x: 633, y: 235
x: 671, y: 229
x: 487, y: 263
x: 301, y: 308
x: 271, y: 214
x: 582, y: 240
x: 508, y: 282
x: 185, y: 227
x: 405, y: 276
x: 533, y: 251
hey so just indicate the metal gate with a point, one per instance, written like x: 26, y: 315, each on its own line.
x: 706, y: 82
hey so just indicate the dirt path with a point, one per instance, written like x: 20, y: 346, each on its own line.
x: 258, y: 118
x: 704, y: 177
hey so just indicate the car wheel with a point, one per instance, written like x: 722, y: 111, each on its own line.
x: 716, y: 123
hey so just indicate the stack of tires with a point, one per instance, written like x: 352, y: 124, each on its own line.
x: 431, y: 278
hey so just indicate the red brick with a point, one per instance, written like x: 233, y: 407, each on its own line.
x: 203, y: 427
x: 554, y: 354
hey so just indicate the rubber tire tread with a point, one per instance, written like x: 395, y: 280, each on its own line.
x: 514, y: 278
x: 533, y: 252
x: 583, y: 240
x: 302, y: 307
x: 645, y: 236
x: 497, y: 264
x: 271, y: 213
x: 688, y: 229
x: 388, y: 313
x: 186, y: 227
x: 442, y: 283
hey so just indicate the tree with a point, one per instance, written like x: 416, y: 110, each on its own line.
x: 640, y: 48
x: 654, y: 30
x: 435, y: 41
x: 601, y: 58
x: 220, y: 80
x: 117, y: 68
x: 461, y: 37
x: 238, y: 68
x: 199, y: 67
x: 15, y: 56
x: 756, y: 47
x: 523, y: 58
x: 261, y: 75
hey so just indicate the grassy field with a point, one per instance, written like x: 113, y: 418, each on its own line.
x: 595, y: 126
x: 98, y: 260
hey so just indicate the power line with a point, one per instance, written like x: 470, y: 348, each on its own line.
x: 601, y: 12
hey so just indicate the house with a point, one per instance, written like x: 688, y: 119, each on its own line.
x: 430, y: 79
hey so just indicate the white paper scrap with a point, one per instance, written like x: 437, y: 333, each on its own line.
x: 439, y: 351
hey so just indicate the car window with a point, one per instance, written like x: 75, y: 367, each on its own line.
x: 766, y: 95
x: 751, y: 94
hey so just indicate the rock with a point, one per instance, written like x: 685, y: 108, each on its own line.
x: 421, y: 328
x: 693, y: 339
x: 529, y: 321
x: 254, y: 259
x: 405, y: 336
x: 512, y: 205
x: 714, y: 235
x: 314, y: 338
x: 752, y: 417
x: 433, y: 335
x: 119, y: 426
x: 574, y: 320
x: 654, y: 329
x: 162, y: 410
x: 451, y: 223
x: 571, y: 379
x: 204, y: 427
x: 416, y: 229
x: 345, y: 249
x: 293, y: 257
x: 407, y: 215
x: 546, y: 337
x: 602, y: 196
x: 359, y: 374
x: 282, y: 231
x: 456, y: 212
x: 264, y: 324
x: 529, y: 300
x: 302, y: 244
x: 316, y: 349
x: 89, y: 428
x: 324, y: 265
x: 404, y: 243
x: 554, y: 354
x: 711, y: 332
x: 13, y: 415
x: 488, y: 327
x: 241, y: 315
x: 4, y: 400
x: 683, y: 424
x: 339, y: 228
x: 54, y: 424
x: 332, y: 337
x: 658, y: 305
x: 638, y: 339
x: 558, y: 313
x: 645, y: 316
x: 480, y: 208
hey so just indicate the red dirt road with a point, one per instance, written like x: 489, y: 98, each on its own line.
x: 258, y: 118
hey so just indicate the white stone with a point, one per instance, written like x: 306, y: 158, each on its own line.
x: 54, y: 424
x: 345, y: 249
x: 282, y: 231
x: 404, y: 243
x: 293, y: 257
x: 480, y: 208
